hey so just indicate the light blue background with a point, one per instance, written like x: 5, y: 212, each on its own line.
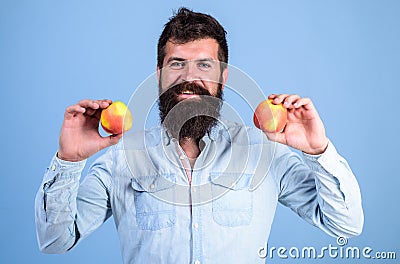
x: 345, y: 55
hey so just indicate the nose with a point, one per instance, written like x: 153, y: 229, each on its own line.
x: 190, y: 72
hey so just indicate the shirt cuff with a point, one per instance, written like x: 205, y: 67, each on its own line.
x: 63, y: 169
x: 325, y: 161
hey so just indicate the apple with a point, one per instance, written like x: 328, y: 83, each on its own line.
x: 270, y: 117
x: 116, y: 118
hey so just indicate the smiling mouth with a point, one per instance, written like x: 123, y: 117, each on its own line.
x: 187, y: 94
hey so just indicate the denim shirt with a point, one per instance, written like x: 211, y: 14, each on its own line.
x: 223, y: 216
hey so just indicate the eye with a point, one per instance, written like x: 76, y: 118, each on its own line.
x: 177, y: 65
x: 204, y: 65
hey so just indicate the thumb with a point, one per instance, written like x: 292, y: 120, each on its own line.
x: 276, y: 136
x: 110, y: 140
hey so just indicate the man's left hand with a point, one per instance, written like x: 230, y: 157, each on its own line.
x: 304, y: 129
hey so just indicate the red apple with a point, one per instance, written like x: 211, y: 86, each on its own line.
x: 116, y: 118
x: 270, y: 117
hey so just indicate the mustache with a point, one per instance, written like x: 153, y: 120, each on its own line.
x: 179, y: 88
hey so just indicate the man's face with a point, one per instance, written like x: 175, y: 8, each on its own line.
x: 195, y: 61
x: 190, y: 86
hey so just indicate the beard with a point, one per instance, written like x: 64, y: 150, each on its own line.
x: 190, y: 118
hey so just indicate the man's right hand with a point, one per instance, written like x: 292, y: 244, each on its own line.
x: 80, y: 137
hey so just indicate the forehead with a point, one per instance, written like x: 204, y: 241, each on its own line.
x: 193, y: 50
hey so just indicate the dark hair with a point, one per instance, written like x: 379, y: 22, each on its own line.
x: 185, y: 26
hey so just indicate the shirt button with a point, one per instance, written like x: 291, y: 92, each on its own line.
x: 182, y: 157
x: 152, y: 186
x: 194, y: 189
x: 197, y: 262
x: 53, y: 167
x: 196, y: 225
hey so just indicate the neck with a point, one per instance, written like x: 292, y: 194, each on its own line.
x: 191, y: 147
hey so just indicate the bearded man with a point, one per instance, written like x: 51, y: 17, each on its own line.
x: 196, y: 188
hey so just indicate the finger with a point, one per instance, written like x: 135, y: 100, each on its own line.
x: 89, y: 104
x: 289, y: 100
x: 103, y: 103
x: 73, y: 110
x: 92, y: 106
x: 280, y: 98
x: 109, y: 101
x: 91, y: 111
x: 303, y: 102
x: 95, y: 103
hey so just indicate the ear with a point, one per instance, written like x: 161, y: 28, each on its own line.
x: 158, y: 73
x: 224, y: 77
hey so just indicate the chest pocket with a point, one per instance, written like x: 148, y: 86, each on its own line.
x: 154, y: 201
x: 232, y: 203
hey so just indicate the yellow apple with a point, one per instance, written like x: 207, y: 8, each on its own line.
x: 270, y: 117
x: 116, y: 118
